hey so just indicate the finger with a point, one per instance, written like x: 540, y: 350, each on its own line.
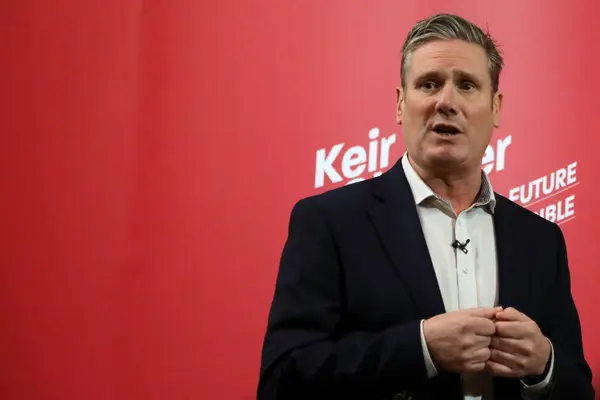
x: 508, y: 345
x: 483, y: 312
x: 482, y: 341
x: 511, y: 329
x: 522, y: 348
x: 475, y: 367
x: 500, y: 370
x: 482, y: 326
x: 511, y: 314
x: 507, y: 359
x: 481, y: 355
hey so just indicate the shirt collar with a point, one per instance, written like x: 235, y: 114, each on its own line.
x: 422, y: 192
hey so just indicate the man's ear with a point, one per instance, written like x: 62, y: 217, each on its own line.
x: 399, y: 104
x: 497, y: 108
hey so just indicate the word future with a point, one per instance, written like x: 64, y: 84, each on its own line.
x: 559, y: 182
x: 357, y: 161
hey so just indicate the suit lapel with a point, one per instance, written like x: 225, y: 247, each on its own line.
x: 513, y: 279
x: 394, y: 214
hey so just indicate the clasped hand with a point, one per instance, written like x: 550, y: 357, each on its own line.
x: 506, y: 343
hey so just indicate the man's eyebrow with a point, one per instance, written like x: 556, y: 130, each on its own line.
x: 428, y: 75
x: 460, y: 74
x: 468, y: 76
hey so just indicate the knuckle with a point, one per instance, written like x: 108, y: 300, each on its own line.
x: 465, y: 366
x: 463, y: 357
x: 483, y: 355
x: 499, y: 328
x: 487, y: 353
x: 464, y: 343
x: 522, y: 363
x: 529, y: 348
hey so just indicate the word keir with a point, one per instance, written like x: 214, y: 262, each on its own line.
x: 358, y: 163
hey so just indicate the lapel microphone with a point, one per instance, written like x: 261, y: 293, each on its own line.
x: 462, y: 246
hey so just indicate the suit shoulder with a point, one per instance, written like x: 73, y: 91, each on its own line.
x: 526, y: 217
x: 343, y: 199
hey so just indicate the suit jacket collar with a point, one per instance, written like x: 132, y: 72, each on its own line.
x: 394, y: 214
x: 393, y: 211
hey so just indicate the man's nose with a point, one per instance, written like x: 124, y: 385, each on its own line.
x: 446, y: 100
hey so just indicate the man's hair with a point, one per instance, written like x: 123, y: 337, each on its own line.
x: 449, y: 27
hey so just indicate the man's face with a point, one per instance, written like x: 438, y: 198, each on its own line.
x: 447, y: 109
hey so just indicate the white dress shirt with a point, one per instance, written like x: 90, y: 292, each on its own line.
x: 466, y: 280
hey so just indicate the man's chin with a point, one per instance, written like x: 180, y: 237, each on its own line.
x: 445, y: 157
x: 447, y: 160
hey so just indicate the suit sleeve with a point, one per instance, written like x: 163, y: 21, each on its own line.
x: 306, y: 352
x: 572, y: 375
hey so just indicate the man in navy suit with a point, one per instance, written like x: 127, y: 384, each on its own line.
x: 423, y: 283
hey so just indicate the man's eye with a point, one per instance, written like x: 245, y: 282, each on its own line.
x: 428, y: 85
x: 468, y: 86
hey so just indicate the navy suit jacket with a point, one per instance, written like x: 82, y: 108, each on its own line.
x: 355, y: 279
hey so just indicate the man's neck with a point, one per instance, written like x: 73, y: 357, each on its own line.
x: 461, y: 189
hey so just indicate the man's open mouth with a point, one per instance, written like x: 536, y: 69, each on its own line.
x: 445, y: 129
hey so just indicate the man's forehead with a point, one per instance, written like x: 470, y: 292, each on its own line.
x: 449, y: 55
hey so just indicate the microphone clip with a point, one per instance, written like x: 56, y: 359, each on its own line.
x: 462, y: 246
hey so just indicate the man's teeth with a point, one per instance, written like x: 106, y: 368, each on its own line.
x: 445, y: 131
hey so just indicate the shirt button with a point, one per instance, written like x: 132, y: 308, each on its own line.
x: 465, y: 271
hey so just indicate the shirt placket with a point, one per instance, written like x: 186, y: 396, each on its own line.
x: 465, y: 265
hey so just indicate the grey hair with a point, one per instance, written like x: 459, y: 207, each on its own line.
x: 448, y: 27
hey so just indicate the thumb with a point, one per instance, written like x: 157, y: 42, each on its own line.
x: 484, y: 312
x: 512, y: 314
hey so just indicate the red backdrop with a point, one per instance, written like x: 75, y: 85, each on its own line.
x: 152, y: 151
